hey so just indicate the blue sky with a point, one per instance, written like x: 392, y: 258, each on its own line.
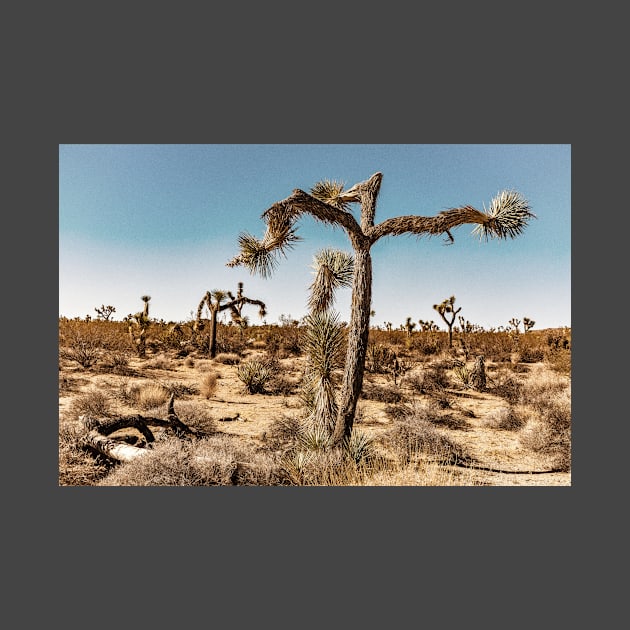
x: 163, y: 220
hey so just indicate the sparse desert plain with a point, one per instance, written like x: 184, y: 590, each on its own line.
x: 243, y: 415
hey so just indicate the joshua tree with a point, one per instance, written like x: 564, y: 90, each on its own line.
x: 138, y: 325
x: 515, y: 323
x: 105, y: 312
x: 528, y: 324
x: 409, y: 326
x: 327, y: 202
x: 426, y: 326
x: 214, y: 300
x: 448, y: 306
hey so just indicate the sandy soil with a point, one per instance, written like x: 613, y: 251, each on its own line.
x: 492, y: 448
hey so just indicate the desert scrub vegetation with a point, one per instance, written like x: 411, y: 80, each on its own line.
x: 254, y: 375
x: 535, y: 414
x: 208, y: 385
x: 549, y: 431
x: 213, y: 461
x: 93, y: 403
x: 77, y: 467
x: 508, y: 418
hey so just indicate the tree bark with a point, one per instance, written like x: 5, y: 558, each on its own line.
x: 357, y: 345
x: 213, y: 332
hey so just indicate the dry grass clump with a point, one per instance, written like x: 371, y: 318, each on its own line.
x: 115, y: 362
x: 414, y: 435
x: 228, y: 358
x: 208, y: 386
x: 506, y: 418
x: 507, y: 385
x: 93, y: 403
x: 382, y: 393
x: 151, y: 395
x: 282, y: 432
x: 78, y: 467
x: 160, y: 362
x: 214, y: 461
x: 322, y: 467
x: 549, y: 432
x: 196, y: 415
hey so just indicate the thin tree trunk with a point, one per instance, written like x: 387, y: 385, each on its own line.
x: 213, y: 332
x: 357, y: 345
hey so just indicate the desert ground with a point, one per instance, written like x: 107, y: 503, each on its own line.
x: 498, y: 454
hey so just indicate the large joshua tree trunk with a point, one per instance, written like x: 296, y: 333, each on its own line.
x: 357, y: 345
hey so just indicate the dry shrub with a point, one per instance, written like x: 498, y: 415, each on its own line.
x: 549, y: 432
x: 179, y: 389
x: 216, y: 460
x: 506, y: 418
x: 413, y: 434
x: 116, y: 362
x: 543, y: 387
x: 93, y: 403
x: 381, y: 393
x: 559, y: 360
x: 283, y: 432
x: 151, y: 395
x: 506, y: 385
x: 280, y: 385
x: 209, y: 384
x: 196, y: 415
x: 77, y: 466
x: 228, y: 358
x: 160, y: 362
x: 433, y: 378
x: 450, y: 421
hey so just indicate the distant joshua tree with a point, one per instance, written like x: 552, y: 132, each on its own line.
x: 409, y: 326
x: 215, y: 301
x: 448, y: 306
x: 427, y: 326
x: 104, y: 312
x: 327, y: 202
x: 138, y: 325
x: 528, y: 324
x: 515, y: 323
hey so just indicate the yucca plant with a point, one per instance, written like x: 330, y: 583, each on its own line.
x: 329, y: 203
x: 323, y: 341
x: 359, y: 447
x: 254, y: 375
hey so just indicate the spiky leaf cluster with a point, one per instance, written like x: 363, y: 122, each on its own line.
x: 329, y: 192
x: 333, y: 270
x: 324, y: 341
x: 507, y: 216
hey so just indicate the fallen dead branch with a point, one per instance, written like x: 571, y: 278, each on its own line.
x: 99, y: 430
